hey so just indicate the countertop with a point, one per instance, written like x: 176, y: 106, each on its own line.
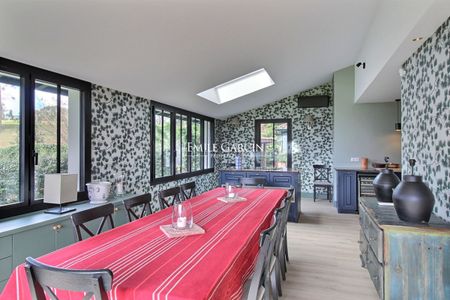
x: 386, y: 215
x: 287, y: 170
x: 368, y: 170
x: 39, y: 218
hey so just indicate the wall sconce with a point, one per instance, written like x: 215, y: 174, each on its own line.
x: 309, y: 120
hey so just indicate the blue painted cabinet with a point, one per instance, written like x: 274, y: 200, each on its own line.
x: 274, y: 179
x: 346, y: 193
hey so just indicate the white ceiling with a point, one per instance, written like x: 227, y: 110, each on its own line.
x: 389, y: 43
x: 170, y: 50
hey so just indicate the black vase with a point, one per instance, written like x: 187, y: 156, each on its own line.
x: 384, y: 183
x: 413, y: 200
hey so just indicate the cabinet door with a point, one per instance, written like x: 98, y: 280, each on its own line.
x: 120, y: 215
x: 281, y: 179
x: 34, y: 242
x: 264, y: 175
x: 346, y: 192
x: 64, y: 234
x: 232, y: 177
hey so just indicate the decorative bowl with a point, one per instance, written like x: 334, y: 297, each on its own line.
x: 98, y: 192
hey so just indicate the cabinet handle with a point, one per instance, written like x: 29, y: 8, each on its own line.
x: 360, y: 242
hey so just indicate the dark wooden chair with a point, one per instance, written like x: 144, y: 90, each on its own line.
x: 78, y: 219
x: 142, y: 202
x: 259, y: 285
x: 322, y: 181
x: 169, y: 196
x: 42, y: 278
x: 188, y: 190
x: 253, y: 181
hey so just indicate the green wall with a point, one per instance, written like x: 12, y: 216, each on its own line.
x: 362, y: 130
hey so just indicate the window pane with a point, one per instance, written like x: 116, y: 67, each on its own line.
x: 266, y: 144
x: 181, y: 144
x: 10, y: 116
x: 158, y: 143
x: 207, y: 145
x: 281, y: 145
x: 196, y: 144
x: 70, y: 131
x: 167, y: 163
x: 45, y: 115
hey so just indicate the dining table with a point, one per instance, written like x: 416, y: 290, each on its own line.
x: 146, y: 264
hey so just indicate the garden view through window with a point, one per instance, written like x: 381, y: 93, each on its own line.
x: 42, y: 131
x: 181, y: 140
x: 273, y: 138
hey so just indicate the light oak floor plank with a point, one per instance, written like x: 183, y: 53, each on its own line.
x: 324, y: 256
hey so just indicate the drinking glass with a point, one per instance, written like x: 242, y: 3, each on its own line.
x: 182, y: 217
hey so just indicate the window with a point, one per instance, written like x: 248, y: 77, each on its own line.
x: 273, y: 143
x: 181, y: 142
x: 44, y: 129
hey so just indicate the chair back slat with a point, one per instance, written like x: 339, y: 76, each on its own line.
x: 253, y: 181
x: 321, y: 173
x: 188, y: 190
x: 169, y: 196
x: 142, y: 201
x: 80, y: 218
x: 42, y: 277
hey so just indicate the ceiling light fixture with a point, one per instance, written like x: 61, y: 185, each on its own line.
x: 238, y: 87
x: 417, y: 39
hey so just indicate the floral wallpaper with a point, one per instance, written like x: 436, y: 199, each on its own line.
x: 309, y: 145
x: 425, y: 94
x: 121, y: 143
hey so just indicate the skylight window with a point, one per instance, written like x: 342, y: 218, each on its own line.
x: 238, y: 87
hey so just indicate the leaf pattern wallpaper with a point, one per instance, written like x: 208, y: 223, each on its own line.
x: 425, y: 94
x: 309, y: 145
x: 121, y: 126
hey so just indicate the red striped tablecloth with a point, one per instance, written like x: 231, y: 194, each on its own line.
x: 148, y: 265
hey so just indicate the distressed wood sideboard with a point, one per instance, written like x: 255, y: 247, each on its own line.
x: 404, y: 261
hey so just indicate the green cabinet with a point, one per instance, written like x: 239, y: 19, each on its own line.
x: 120, y: 215
x: 37, y: 234
x: 64, y: 234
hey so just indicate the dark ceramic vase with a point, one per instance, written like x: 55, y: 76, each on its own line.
x: 413, y: 200
x: 384, y: 183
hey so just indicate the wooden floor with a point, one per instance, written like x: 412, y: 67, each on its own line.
x: 324, y: 256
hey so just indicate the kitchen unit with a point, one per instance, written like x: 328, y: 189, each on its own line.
x: 352, y: 184
x: 274, y: 178
x: 404, y: 260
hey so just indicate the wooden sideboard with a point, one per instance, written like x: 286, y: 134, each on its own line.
x: 404, y: 261
x: 274, y: 178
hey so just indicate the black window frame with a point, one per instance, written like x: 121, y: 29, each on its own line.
x: 258, y: 138
x: 175, y: 110
x: 28, y: 74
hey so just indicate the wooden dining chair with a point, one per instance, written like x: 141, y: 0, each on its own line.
x: 259, y: 286
x: 322, y: 181
x: 42, y: 278
x: 253, y: 181
x: 80, y: 218
x: 138, y: 202
x: 188, y: 190
x: 169, y: 196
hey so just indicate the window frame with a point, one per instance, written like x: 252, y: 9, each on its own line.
x: 28, y: 74
x: 175, y: 110
x: 258, y: 123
